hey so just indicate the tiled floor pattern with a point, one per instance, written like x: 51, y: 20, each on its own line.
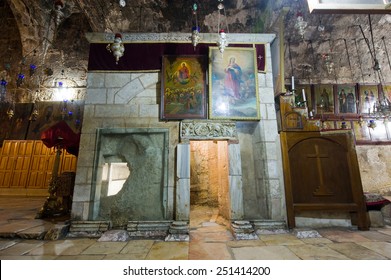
x: 209, y: 240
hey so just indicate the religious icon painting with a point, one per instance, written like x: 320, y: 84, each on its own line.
x: 183, y: 87
x: 324, y: 99
x: 233, y: 84
x: 368, y: 96
x: 346, y: 99
x: 386, y: 92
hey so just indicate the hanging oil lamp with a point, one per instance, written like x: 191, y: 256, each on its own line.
x: 300, y: 25
x: 195, y: 35
x: 222, y: 42
x: 11, y: 111
x: 371, y: 124
x: 20, y: 79
x: 34, y: 114
x: 3, y: 88
x: 32, y: 70
x: 117, y: 47
x: 58, y: 6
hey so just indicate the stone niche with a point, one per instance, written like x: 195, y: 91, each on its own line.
x: 131, y: 176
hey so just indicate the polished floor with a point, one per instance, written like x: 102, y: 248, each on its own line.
x: 22, y: 238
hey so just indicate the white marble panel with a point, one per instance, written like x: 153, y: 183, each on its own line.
x: 236, y: 197
x: 77, y: 210
x: 266, y: 96
x: 149, y: 111
x: 128, y: 92
x: 150, y: 92
x: 91, y: 125
x: 272, y: 167
x: 135, y: 75
x: 275, y: 189
x: 271, y: 150
x: 82, y: 193
x: 117, y: 80
x: 182, y: 200
x: 96, y: 96
x: 82, y: 175
x: 270, y: 131
x: 183, y: 161
x: 263, y: 111
x: 235, y: 162
x: 261, y: 80
x: 111, y: 92
x: 89, y: 111
x: 95, y: 80
x: 269, y: 80
x: 149, y: 80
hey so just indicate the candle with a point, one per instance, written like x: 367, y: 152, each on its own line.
x: 293, y: 83
x: 304, y: 98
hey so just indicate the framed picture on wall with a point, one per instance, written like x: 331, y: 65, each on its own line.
x: 346, y: 99
x: 183, y: 87
x: 233, y: 84
x: 386, y: 91
x: 324, y: 99
x: 369, y: 94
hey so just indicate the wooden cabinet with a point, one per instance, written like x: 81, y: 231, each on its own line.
x: 26, y: 167
x: 321, y: 171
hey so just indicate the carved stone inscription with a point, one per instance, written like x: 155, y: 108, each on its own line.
x: 203, y: 130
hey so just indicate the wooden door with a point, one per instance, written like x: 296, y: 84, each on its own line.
x: 7, y: 164
x: 41, y: 166
x: 18, y: 162
x: 26, y: 167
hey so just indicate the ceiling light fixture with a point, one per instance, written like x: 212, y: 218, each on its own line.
x: 117, y: 47
x: 300, y: 24
x: 122, y: 3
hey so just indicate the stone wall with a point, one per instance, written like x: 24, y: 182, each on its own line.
x: 374, y: 162
x: 118, y: 100
x: 131, y: 100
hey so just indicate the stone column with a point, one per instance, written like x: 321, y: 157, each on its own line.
x: 241, y: 229
x: 179, y: 229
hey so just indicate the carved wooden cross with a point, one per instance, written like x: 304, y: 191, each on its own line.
x: 321, y: 190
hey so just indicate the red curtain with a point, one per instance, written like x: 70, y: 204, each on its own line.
x: 63, y: 136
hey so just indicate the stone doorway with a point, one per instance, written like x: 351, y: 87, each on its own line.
x: 209, y: 184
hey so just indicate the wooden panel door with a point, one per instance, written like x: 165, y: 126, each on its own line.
x: 6, y: 164
x: 41, y: 167
x: 21, y: 164
x: 68, y: 163
x: 26, y: 167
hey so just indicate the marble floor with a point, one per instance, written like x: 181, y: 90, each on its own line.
x: 21, y: 238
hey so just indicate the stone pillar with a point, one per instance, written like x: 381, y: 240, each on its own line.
x: 241, y: 229
x: 235, y: 182
x: 179, y: 229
